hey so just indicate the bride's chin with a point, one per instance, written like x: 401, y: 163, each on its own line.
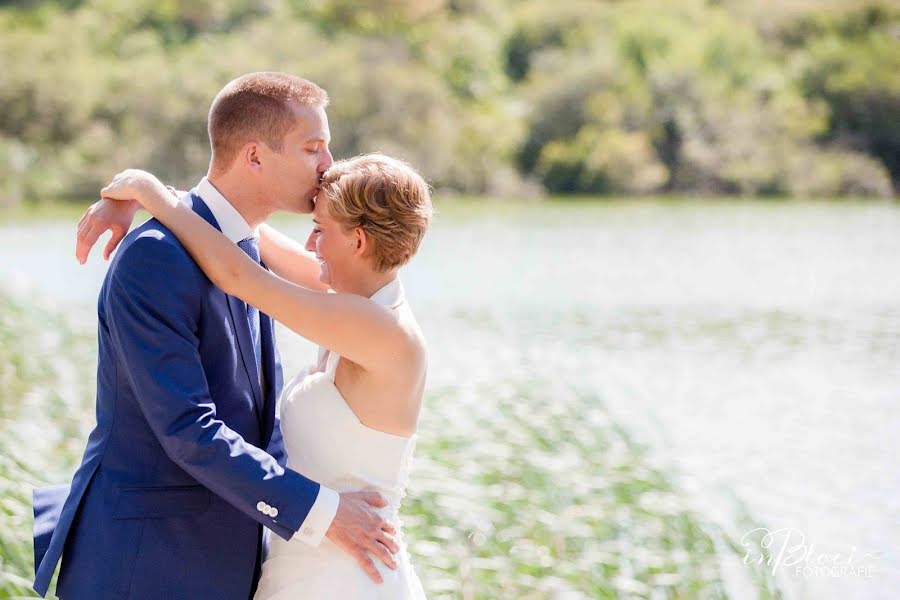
x: 324, y: 275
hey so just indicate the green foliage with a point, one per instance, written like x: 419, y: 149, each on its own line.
x: 541, y: 505
x: 534, y: 504
x: 636, y: 97
x: 693, y: 98
x: 43, y: 362
x: 859, y: 78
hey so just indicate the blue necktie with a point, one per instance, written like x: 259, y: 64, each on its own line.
x: 251, y: 247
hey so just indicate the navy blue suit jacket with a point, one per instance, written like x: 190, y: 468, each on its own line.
x: 164, y: 504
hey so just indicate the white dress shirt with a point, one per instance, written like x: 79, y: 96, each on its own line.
x: 236, y: 228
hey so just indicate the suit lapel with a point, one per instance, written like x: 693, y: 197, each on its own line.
x: 271, y: 371
x: 242, y: 332
x: 239, y: 323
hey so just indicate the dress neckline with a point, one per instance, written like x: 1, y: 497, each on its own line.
x: 391, y: 296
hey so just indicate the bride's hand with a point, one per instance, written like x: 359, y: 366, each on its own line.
x: 120, y: 200
x: 130, y: 184
x: 105, y: 215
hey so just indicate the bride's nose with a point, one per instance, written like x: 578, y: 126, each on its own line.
x: 311, y: 242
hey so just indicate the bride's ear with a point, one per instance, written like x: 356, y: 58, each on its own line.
x: 361, y: 240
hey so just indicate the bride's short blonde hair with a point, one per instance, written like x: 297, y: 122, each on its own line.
x: 387, y: 199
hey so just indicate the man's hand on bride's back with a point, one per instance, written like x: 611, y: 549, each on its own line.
x: 105, y: 215
x: 358, y: 529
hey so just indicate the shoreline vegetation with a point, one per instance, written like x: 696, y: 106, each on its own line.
x: 499, y: 98
x: 508, y: 498
x: 467, y: 206
x: 46, y: 388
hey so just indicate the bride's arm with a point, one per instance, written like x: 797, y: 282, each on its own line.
x: 288, y: 259
x: 283, y: 255
x: 353, y: 326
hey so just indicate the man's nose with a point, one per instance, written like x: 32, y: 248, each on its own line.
x: 327, y: 161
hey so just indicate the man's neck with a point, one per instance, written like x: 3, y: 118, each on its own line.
x: 249, y: 205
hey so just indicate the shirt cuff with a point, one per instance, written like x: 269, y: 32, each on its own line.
x: 319, y: 519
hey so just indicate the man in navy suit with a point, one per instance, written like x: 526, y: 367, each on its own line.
x: 186, y: 463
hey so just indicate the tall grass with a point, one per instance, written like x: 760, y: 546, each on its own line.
x: 528, y: 490
x: 523, y: 489
x: 46, y: 383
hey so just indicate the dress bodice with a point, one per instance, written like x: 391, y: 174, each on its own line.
x: 327, y: 442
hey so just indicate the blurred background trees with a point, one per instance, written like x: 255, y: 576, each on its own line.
x: 495, y: 97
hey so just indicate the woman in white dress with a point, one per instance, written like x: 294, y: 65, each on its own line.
x: 350, y: 422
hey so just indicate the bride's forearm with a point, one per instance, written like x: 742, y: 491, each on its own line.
x: 226, y: 265
x: 287, y: 258
x: 351, y: 325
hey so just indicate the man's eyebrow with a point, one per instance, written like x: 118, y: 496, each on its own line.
x: 316, y: 140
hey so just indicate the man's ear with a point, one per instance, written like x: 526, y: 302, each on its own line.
x: 250, y: 155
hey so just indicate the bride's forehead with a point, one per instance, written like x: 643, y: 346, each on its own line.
x: 320, y: 207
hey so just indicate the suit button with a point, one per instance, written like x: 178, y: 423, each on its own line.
x: 273, y: 513
x: 261, y: 506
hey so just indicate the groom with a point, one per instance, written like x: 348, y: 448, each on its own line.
x: 186, y: 463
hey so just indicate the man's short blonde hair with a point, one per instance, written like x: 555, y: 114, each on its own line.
x: 257, y: 107
x: 387, y: 199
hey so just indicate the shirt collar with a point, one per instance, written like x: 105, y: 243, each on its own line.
x: 230, y: 221
x: 391, y: 295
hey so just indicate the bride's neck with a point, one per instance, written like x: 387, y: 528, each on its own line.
x: 366, y: 283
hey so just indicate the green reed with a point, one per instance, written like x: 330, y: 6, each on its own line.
x: 530, y: 491
x: 524, y: 489
x: 46, y: 386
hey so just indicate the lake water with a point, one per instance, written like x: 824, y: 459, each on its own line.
x: 754, y: 347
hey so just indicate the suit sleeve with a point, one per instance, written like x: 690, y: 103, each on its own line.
x: 276, y: 442
x: 153, y: 307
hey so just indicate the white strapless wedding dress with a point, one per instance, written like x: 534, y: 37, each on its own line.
x: 326, y: 442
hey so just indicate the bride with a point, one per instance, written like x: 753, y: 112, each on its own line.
x: 370, y: 216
